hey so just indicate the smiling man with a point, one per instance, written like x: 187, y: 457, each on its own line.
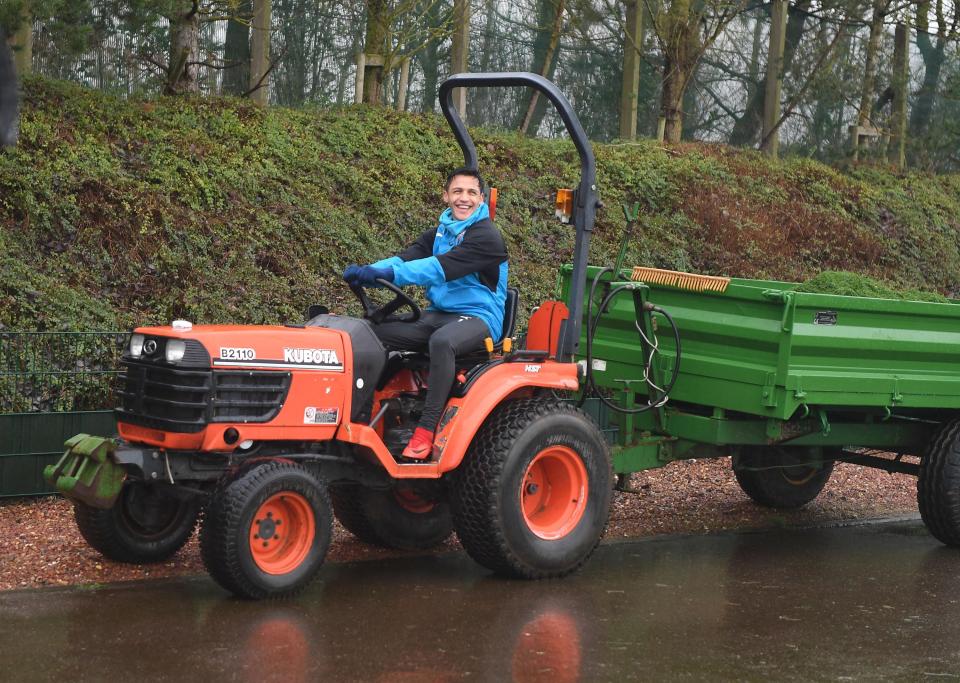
x: 463, y: 264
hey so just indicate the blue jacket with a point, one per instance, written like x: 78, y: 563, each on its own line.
x: 463, y: 266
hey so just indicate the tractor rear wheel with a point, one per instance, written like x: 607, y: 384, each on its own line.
x: 938, y: 485
x: 779, y: 477
x: 398, y: 518
x: 532, y: 496
x: 266, y: 533
x: 148, y: 523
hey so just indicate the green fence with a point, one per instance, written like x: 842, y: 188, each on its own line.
x: 52, y: 386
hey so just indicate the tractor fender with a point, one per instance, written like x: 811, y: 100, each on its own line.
x: 465, y: 415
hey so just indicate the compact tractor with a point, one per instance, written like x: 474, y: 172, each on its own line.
x: 265, y: 433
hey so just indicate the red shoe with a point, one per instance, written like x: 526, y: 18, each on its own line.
x: 420, y: 446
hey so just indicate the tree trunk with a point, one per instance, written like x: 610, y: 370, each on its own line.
x: 746, y: 129
x: 9, y: 109
x: 630, y: 84
x: 546, y: 54
x: 184, y: 49
x: 865, y: 115
x: 260, y: 52
x: 484, y: 99
x: 21, y: 42
x: 430, y: 59
x: 680, y: 43
x: 236, y: 50
x: 378, y: 18
x: 933, y: 58
x: 460, y: 50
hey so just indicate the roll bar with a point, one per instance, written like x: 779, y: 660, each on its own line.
x: 585, y: 198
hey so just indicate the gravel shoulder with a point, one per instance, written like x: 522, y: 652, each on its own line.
x: 696, y: 496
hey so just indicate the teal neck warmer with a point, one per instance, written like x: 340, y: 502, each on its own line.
x: 454, y: 227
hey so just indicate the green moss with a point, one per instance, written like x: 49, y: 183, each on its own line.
x: 118, y: 212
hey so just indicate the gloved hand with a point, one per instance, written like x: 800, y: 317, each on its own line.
x: 365, y: 275
x: 350, y: 274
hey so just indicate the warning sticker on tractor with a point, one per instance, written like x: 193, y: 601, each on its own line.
x: 320, y: 416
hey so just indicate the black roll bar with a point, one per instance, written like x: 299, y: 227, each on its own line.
x: 585, y: 199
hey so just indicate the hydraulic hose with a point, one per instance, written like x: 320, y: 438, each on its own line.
x: 593, y: 323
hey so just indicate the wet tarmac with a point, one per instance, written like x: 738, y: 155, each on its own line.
x: 865, y: 602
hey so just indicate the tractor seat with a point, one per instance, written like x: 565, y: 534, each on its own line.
x: 419, y: 359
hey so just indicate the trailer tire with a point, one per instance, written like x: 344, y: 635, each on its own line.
x: 772, y: 476
x: 938, y: 485
x: 532, y: 496
x: 266, y: 533
x: 395, y: 518
x: 146, y: 524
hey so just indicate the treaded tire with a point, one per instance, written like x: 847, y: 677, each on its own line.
x: 772, y: 477
x: 938, y: 485
x: 488, y: 504
x: 228, y: 525
x: 377, y: 517
x: 145, y: 525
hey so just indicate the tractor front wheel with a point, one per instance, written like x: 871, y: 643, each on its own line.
x: 779, y: 477
x: 531, y: 498
x: 266, y: 533
x: 147, y: 524
x: 399, y: 518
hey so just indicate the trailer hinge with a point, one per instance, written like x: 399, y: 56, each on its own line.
x: 799, y: 393
x: 768, y: 395
x: 896, y: 397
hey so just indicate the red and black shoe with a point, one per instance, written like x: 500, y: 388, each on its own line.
x: 420, y: 446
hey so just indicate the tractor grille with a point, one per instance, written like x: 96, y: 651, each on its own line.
x: 186, y: 401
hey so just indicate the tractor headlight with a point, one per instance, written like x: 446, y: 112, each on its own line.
x: 175, y: 350
x: 136, y: 345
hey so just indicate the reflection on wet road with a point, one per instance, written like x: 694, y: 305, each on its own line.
x: 872, y: 602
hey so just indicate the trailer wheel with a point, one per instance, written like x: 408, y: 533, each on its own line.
x: 147, y: 524
x: 779, y: 477
x: 397, y: 518
x: 266, y: 533
x: 938, y: 485
x: 532, y: 497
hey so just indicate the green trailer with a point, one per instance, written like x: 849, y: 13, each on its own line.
x: 786, y: 382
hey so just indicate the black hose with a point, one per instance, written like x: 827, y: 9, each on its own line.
x: 589, y: 372
x: 593, y: 322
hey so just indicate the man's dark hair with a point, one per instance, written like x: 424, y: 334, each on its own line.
x: 463, y: 170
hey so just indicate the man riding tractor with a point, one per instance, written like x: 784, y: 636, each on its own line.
x: 463, y: 264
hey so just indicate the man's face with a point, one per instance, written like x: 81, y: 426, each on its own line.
x: 463, y: 196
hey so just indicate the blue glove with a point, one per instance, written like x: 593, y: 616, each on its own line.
x: 350, y: 274
x: 365, y: 275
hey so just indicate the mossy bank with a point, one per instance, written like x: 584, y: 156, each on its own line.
x: 115, y: 213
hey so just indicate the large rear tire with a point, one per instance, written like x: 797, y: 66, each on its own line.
x: 147, y: 524
x: 532, y: 496
x: 266, y: 533
x: 396, y: 518
x: 938, y: 485
x: 779, y: 477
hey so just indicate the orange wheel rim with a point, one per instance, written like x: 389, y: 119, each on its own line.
x: 282, y: 533
x: 553, y: 493
x: 411, y: 502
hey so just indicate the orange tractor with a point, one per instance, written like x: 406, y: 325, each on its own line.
x: 265, y: 433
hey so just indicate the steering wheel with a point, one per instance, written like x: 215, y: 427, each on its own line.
x: 384, y: 313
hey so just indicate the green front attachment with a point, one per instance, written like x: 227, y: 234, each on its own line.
x: 87, y: 472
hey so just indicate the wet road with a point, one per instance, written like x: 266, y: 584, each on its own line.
x: 876, y: 601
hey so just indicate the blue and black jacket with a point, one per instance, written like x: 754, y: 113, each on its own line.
x: 463, y: 272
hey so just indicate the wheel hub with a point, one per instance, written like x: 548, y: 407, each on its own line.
x: 280, y: 553
x: 553, y: 493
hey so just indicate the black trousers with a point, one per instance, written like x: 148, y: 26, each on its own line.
x: 443, y: 336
